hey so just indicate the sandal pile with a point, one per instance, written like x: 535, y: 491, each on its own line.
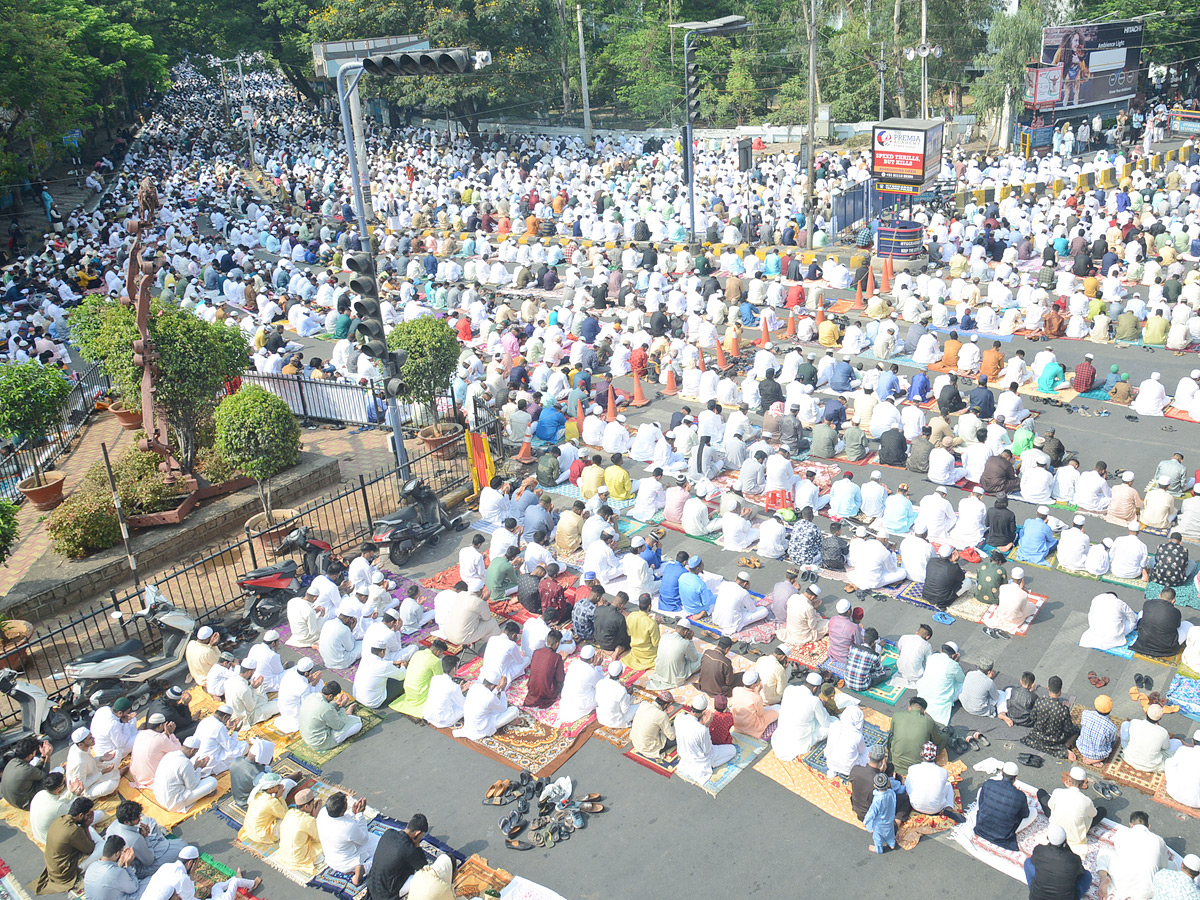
x: 558, y: 815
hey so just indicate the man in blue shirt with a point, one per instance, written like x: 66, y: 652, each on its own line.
x: 843, y: 377
x: 652, y: 553
x: 551, y: 425
x: 694, y: 593
x: 749, y: 315
x: 889, y: 383
x: 1037, y: 540
x: 982, y: 399
x: 589, y: 328
x: 835, y: 412
x: 668, y: 590
x: 1003, y: 807
x: 920, y: 390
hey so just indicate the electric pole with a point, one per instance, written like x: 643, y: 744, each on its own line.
x: 812, y: 116
x: 583, y: 84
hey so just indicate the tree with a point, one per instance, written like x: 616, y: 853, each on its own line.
x: 258, y: 435
x: 10, y: 531
x: 1013, y: 41
x: 433, y: 350
x: 197, y: 360
x: 31, y: 403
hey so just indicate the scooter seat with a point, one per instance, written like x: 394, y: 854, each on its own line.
x: 287, y: 567
x: 132, y: 647
x: 401, y: 515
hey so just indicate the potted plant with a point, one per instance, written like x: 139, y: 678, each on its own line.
x: 130, y: 419
x: 258, y: 436
x: 15, y: 637
x: 31, y: 407
x: 433, y: 349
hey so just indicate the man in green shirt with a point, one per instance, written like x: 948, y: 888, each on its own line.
x: 548, y: 467
x: 422, y: 668
x: 501, y: 577
x: 990, y: 577
x: 324, y: 721
x: 1022, y: 440
x: 910, y: 730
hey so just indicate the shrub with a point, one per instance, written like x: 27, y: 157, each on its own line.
x: 85, y: 523
x: 258, y: 435
x: 213, y: 466
x: 9, y: 532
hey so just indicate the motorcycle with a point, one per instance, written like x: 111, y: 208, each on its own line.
x: 420, y: 520
x: 267, y: 589
x: 101, y: 676
x: 38, y: 716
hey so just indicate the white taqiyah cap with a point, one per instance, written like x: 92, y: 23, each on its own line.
x: 843, y: 605
x: 204, y: 633
x: 1056, y: 835
x: 1018, y: 573
x: 588, y: 652
x: 1010, y: 768
x: 1078, y: 774
x: 349, y: 608
x: 814, y: 679
x: 700, y: 703
x: 1043, y: 510
x: 305, y: 665
x: 1079, y: 520
x: 615, y: 668
x: 860, y: 531
x: 1192, y: 862
x: 1127, y: 477
x: 814, y: 589
x: 189, y: 852
x: 80, y: 734
x: 271, y: 636
x: 1134, y: 527
x: 876, y: 475
x: 750, y: 678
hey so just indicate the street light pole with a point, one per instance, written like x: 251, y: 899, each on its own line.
x: 812, y: 119
x: 925, y: 59
x: 246, y: 102
x: 583, y: 81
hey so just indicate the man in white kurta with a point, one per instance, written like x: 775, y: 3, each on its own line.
x: 1110, y: 620
x: 268, y: 664
x: 114, y: 729
x: 735, y: 609
x: 178, y: 785
x: 485, y: 710
x: 99, y: 776
x: 968, y: 531
x: 217, y: 744
x: 502, y: 656
x: 304, y: 620
x: 250, y: 704
x: 444, y: 704
x: 345, y: 840
x: 296, y: 684
x: 915, y: 553
x: 1092, y: 492
x: 738, y: 533
x: 937, y: 514
x: 1151, y: 397
x: 870, y: 564
x: 803, y: 720
x: 651, y: 497
x: 614, y: 707
x: 1073, y: 546
x: 339, y: 649
x: 578, y: 697
x: 697, y: 755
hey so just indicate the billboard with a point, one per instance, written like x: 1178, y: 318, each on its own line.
x: 907, y: 151
x: 1043, y: 84
x: 1099, y: 62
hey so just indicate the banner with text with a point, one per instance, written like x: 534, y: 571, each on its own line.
x: 1100, y: 62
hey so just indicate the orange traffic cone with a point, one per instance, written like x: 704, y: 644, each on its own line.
x: 722, y: 362
x: 526, y: 457
x: 672, y: 387
x: 791, y: 328
x: 579, y: 418
x: 885, y: 283
x: 858, y: 300
x: 612, y: 404
x: 700, y: 358
x: 766, y: 334
x: 890, y: 267
x: 820, y: 312
x: 639, y: 396
x: 870, y: 281
x: 735, y: 351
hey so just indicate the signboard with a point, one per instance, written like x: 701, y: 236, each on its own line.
x: 1185, y: 123
x: 1042, y: 86
x: 906, y: 151
x: 329, y: 56
x: 72, y: 138
x: 248, y: 115
x: 1099, y: 62
x: 891, y: 187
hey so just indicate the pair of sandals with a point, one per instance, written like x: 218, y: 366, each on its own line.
x: 1106, y: 789
x: 1143, y: 682
x: 749, y: 562
x: 1030, y: 759
x: 963, y: 745
x: 996, y: 633
x: 1097, y: 681
x: 1147, y: 349
x: 511, y: 825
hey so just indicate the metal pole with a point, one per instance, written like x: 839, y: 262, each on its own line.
x: 246, y: 102
x: 691, y: 139
x: 344, y: 88
x: 360, y: 141
x: 583, y: 81
x: 224, y: 89
x: 924, y: 60
x: 812, y: 119
x: 112, y: 483
x: 882, y: 68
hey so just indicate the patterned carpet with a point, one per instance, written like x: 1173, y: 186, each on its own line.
x: 665, y: 767
x: 318, y: 758
x: 164, y: 817
x: 748, y: 750
x: 815, y: 758
x: 884, y: 692
x: 1019, y: 630
x: 1184, y: 692
x: 1186, y: 594
x: 966, y: 608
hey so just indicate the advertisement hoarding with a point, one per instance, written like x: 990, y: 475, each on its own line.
x: 1043, y: 84
x: 1099, y: 62
x: 906, y: 151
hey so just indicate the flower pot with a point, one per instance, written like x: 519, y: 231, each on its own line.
x: 14, y: 643
x: 266, y: 543
x: 46, y: 495
x: 444, y: 441
x: 129, y: 419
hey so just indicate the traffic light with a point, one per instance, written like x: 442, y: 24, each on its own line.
x: 692, y: 82
x: 687, y: 156
x: 372, y: 338
x: 393, y: 384
x: 450, y: 61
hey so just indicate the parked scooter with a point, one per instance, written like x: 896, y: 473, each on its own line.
x: 420, y: 520
x: 101, y: 676
x: 267, y: 589
x: 39, y: 718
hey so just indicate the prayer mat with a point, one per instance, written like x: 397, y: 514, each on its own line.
x: 443, y: 580
x: 475, y: 876
x: 1068, y: 507
x: 573, y: 492
x: 1095, y: 394
x: 268, y: 731
x: 965, y: 484
x: 338, y: 883
x: 748, y: 750
x: 1127, y: 776
x: 714, y: 538
x: 10, y: 887
x: 830, y: 795
x: 1161, y: 796
x: 1185, y: 594
x: 965, y: 607
x: 969, y: 333
x: 888, y: 691
x: 872, y: 735
x: 1135, y: 583
x: 839, y: 307
x: 18, y: 819
x: 1126, y: 652
x: 865, y: 461
x: 665, y: 767
x: 898, y: 360
x: 619, y: 737
x: 319, y: 758
x: 1100, y: 843
x: 1184, y: 692
x: 1172, y: 413
x: 1075, y: 574
x: 1064, y: 395
x: 529, y: 744
x: 653, y: 520
x: 211, y: 872
x: 202, y: 705
x: 989, y: 618
x: 761, y: 632
x: 165, y: 817
x: 811, y: 654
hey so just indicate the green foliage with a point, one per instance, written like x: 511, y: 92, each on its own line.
x: 31, y: 399
x: 9, y: 531
x: 197, y: 358
x: 86, y: 522
x: 258, y: 436
x: 433, y: 351
x: 1013, y: 41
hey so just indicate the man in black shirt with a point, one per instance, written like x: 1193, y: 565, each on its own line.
x: 943, y: 578
x: 950, y: 400
x: 174, y: 705
x: 893, y: 449
x: 770, y: 392
x: 397, y: 858
x: 1158, y: 628
x: 1001, y: 525
x: 1054, y: 871
x: 608, y: 625
x: 527, y: 589
x: 1021, y: 700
